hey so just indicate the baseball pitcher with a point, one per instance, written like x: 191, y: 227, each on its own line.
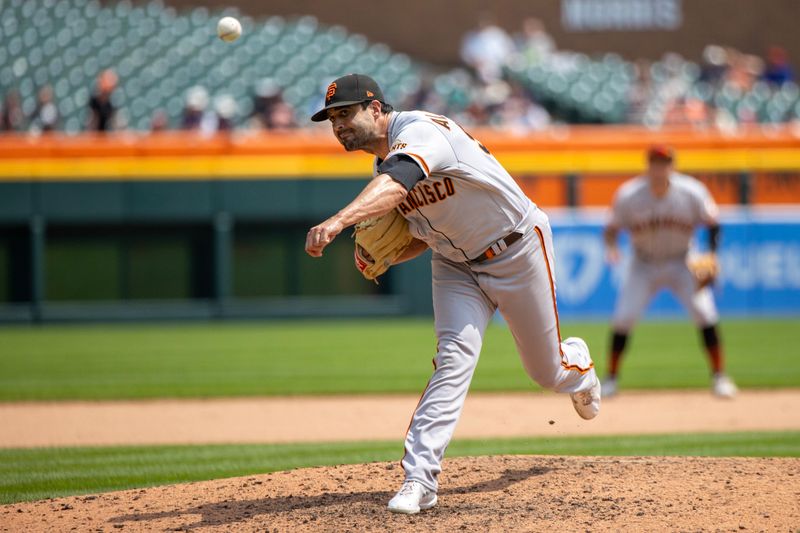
x: 437, y: 187
x: 661, y: 211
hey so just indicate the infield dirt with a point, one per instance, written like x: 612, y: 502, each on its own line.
x: 364, y: 418
x: 506, y: 493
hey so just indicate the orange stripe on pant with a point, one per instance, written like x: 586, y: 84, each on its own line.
x: 564, y: 362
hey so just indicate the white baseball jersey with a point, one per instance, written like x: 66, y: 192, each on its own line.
x: 662, y: 228
x: 467, y: 200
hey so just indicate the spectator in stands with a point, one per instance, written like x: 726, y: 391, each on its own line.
x: 686, y: 110
x: 487, y: 49
x: 101, y: 109
x: 267, y: 94
x: 640, y: 91
x: 519, y: 113
x: 743, y: 71
x: 45, y: 117
x: 12, y: 117
x: 723, y: 120
x: 476, y: 114
x: 534, y: 44
x: 696, y: 112
x: 195, y: 114
x: 425, y: 97
x: 194, y: 107
x: 270, y: 111
x: 225, y: 107
x: 282, y: 117
x: 159, y: 121
x: 492, y: 97
x: 778, y: 71
x: 715, y: 65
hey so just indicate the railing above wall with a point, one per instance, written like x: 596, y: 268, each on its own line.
x: 315, y: 154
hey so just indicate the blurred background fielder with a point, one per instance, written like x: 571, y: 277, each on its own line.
x: 661, y: 210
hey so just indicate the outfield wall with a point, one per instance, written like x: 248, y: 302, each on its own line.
x: 180, y: 226
x: 759, y: 257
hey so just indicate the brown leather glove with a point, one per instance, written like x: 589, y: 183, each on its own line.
x: 379, y: 242
x: 704, y: 268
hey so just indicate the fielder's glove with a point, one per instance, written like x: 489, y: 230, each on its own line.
x: 704, y: 268
x: 379, y: 242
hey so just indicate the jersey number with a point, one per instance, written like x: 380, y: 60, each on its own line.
x: 445, y: 123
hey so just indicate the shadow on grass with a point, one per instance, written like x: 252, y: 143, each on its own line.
x: 357, y: 503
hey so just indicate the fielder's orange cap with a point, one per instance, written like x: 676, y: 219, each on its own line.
x: 660, y: 152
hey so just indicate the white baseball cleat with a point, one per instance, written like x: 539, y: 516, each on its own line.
x: 587, y: 403
x: 412, y: 498
x: 609, y: 387
x: 723, y: 387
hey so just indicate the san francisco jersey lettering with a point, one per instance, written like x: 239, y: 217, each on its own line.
x: 490, y: 203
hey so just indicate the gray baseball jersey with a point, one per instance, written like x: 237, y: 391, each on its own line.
x: 465, y: 204
x: 467, y: 200
x: 662, y: 228
x: 661, y: 234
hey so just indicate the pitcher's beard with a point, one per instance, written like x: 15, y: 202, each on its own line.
x: 356, y: 141
x: 351, y: 145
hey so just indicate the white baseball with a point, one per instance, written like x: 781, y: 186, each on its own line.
x: 229, y: 29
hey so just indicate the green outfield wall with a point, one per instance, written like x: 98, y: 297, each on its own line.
x: 182, y: 249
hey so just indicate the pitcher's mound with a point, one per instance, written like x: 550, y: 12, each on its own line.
x: 507, y: 493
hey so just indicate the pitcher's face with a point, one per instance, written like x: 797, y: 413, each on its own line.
x: 353, y: 126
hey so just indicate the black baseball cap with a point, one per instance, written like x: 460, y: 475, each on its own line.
x: 349, y: 90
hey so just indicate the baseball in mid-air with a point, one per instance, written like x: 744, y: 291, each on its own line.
x: 229, y: 29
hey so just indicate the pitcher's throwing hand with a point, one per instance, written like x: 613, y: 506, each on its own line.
x: 321, y: 236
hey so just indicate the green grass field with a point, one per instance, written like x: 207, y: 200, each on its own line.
x: 33, y: 474
x: 337, y: 357
x: 340, y: 357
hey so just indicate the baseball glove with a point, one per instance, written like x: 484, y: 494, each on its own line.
x: 379, y: 242
x: 704, y: 268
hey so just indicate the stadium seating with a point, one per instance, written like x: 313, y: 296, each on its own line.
x: 159, y: 54
x: 580, y: 89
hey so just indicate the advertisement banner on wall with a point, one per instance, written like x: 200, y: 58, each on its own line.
x: 759, y: 256
x: 621, y: 15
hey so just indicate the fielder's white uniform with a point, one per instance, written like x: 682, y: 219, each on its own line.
x: 465, y: 204
x: 661, y: 232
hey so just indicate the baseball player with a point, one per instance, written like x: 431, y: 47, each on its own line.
x: 661, y: 211
x: 492, y: 249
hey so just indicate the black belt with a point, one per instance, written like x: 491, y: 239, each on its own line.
x: 498, y: 247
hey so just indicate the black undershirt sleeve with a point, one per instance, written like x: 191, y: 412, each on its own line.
x: 403, y: 170
x: 713, y: 237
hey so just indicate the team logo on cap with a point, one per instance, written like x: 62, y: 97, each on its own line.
x: 370, y: 94
x: 331, y: 92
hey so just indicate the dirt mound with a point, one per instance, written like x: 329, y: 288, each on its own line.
x: 508, y: 493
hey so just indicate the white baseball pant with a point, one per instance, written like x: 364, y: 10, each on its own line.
x: 641, y: 280
x: 519, y: 283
